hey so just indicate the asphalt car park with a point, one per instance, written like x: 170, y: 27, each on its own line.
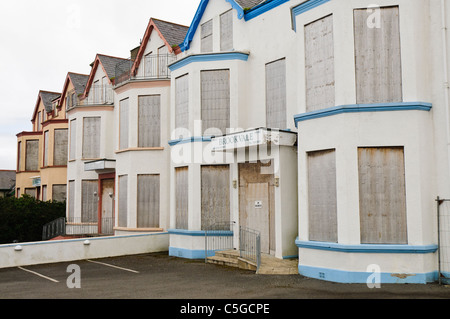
x: 160, y: 277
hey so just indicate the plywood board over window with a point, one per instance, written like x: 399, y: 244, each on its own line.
x: 60, y: 147
x: 73, y: 139
x: 89, y: 201
x: 71, y: 202
x: 123, y: 124
x: 149, y: 121
x: 32, y: 155
x: 91, y: 137
x: 378, y: 56
x: 226, y: 31
x: 322, y: 203
x: 46, y: 133
x: 59, y: 193
x: 182, y: 102
x: 215, y: 101
x: 382, y: 195
x: 319, y: 64
x: 215, y: 194
x: 148, y: 199
x: 181, y: 197
x: 206, y: 34
x: 123, y: 201
x: 276, y: 94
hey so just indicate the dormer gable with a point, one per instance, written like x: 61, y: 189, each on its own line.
x: 170, y: 34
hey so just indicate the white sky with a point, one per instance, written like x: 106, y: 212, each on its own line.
x: 42, y: 40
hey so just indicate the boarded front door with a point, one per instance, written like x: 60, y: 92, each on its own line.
x: 107, y: 206
x: 256, y: 196
x: 257, y: 209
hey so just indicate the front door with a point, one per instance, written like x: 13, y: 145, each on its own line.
x: 256, y: 197
x: 257, y: 209
x: 107, y: 207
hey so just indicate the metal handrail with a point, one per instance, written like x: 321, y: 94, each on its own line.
x: 54, y: 229
x: 219, y: 236
x: 250, y: 245
x: 154, y: 66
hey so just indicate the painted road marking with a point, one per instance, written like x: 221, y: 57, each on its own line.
x: 38, y: 274
x: 113, y: 266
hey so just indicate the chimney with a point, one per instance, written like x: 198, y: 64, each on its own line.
x: 134, y: 53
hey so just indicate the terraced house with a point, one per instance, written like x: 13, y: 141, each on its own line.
x: 319, y: 128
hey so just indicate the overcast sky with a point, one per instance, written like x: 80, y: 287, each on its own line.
x: 42, y: 40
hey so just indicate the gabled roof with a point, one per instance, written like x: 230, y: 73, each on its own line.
x: 108, y: 64
x: 171, y: 33
x: 247, y: 9
x: 78, y: 81
x: 47, y: 98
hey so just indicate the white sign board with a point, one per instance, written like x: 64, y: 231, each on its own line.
x: 238, y: 140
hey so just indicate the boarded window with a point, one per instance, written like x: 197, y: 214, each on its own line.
x: 182, y: 102
x: 123, y: 201
x: 226, y: 31
x: 60, y: 147
x: 378, y: 56
x: 91, y: 137
x: 207, y: 36
x: 148, y: 201
x: 150, y: 121
x: 32, y: 155
x: 123, y: 124
x: 215, y: 99
x: 19, y: 156
x: 89, y: 201
x: 71, y: 202
x: 44, y: 193
x: 39, y: 121
x: 276, y: 94
x: 215, y: 195
x: 319, y: 64
x: 181, y: 197
x: 59, y: 193
x: 45, y: 148
x: 322, y: 196
x: 31, y: 192
x: 382, y: 196
x: 73, y: 139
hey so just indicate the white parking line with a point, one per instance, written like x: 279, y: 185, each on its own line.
x: 104, y: 264
x: 38, y: 274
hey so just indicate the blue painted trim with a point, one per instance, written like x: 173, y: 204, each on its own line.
x: 355, y: 277
x: 185, y: 232
x: 208, y: 57
x: 247, y: 15
x: 304, y: 7
x: 366, y: 248
x: 194, y: 25
x: 263, y: 8
x: 192, y: 139
x: 359, y: 108
x: 189, y: 253
x: 199, y: 233
x: 238, y: 8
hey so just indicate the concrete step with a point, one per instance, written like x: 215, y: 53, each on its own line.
x: 224, y: 261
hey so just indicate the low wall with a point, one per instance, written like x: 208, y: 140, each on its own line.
x: 45, y: 252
